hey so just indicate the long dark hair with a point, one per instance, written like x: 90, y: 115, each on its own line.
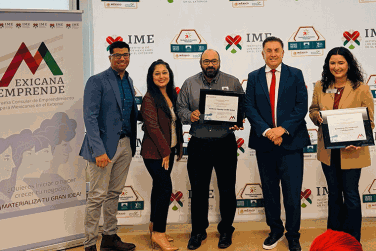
x: 354, y: 73
x: 154, y: 91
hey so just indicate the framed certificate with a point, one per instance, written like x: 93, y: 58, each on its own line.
x: 218, y: 107
x: 344, y: 127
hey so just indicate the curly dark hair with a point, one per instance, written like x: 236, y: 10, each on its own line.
x: 154, y: 91
x: 354, y: 73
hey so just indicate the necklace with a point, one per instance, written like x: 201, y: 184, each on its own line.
x: 339, y: 90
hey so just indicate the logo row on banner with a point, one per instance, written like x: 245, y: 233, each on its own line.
x: 134, y: 4
x: 189, y: 44
x: 305, y: 41
x: 39, y: 25
x: 249, y: 200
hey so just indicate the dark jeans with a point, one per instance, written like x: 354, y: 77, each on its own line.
x: 345, y: 211
x: 160, y: 192
x: 203, y: 155
x: 285, y: 167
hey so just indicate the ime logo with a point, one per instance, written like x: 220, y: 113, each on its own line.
x: 351, y: 37
x: 306, y: 197
x: 176, y: 197
x: 240, y: 143
x: 233, y: 42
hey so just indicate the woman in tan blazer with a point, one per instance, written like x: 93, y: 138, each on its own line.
x: 163, y: 138
x: 342, y: 87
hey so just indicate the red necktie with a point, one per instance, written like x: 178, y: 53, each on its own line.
x: 272, y: 95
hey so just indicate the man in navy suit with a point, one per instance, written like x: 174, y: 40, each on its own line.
x: 110, y: 115
x: 276, y: 105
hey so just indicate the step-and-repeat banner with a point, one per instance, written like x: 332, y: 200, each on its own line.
x: 42, y: 179
x: 178, y: 31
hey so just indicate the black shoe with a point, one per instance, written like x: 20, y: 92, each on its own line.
x: 294, y: 245
x: 195, y: 241
x: 225, y: 240
x: 272, y: 241
x: 113, y: 242
x: 91, y: 248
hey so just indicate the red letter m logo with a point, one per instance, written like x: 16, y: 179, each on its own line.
x: 33, y: 63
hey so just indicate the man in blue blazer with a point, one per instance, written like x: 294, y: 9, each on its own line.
x: 276, y: 105
x: 110, y: 115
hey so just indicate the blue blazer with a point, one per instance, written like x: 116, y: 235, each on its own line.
x: 103, y: 117
x: 292, y: 107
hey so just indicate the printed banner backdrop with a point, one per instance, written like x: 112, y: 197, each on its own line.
x: 177, y: 31
x: 42, y: 179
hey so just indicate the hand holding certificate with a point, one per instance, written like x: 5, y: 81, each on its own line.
x: 220, y: 107
x: 345, y: 127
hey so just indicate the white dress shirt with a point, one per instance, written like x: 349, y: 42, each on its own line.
x: 269, y: 76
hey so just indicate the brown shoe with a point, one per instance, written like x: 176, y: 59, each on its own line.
x: 161, y: 240
x: 114, y: 243
x: 91, y: 248
x: 169, y: 238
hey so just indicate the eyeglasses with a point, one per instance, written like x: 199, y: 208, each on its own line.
x: 118, y: 56
x: 207, y: 62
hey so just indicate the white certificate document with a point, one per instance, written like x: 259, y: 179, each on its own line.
x: 346, y: 127
x: 221, y: 108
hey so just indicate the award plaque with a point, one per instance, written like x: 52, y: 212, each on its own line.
x: 344, y: 127
x: 218, y: 107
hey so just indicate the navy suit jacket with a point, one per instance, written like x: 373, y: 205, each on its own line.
x: 103, y: 116
x: 292, y: 107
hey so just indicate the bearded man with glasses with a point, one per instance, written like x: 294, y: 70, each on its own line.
x: 210, y: 146
x: 110, y: 115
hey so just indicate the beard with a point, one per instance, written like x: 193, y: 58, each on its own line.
x: 210, y: 72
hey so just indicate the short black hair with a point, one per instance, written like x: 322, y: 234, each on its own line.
x: 118, y: 44
x: 272, y: 39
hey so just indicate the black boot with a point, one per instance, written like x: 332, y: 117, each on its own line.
x: 113, y: 242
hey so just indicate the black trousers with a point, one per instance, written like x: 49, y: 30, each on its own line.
x: 344, y: 204
x: 203, y: 155
x: 160, y: 192
x: 285, y: 167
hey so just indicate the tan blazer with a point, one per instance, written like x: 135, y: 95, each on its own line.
x: 360, y: 97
